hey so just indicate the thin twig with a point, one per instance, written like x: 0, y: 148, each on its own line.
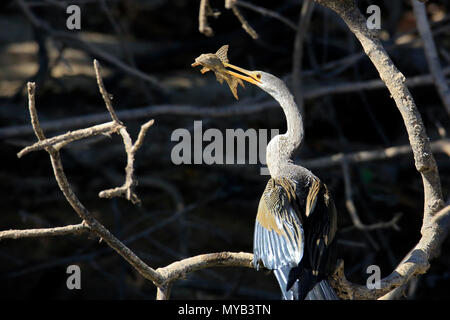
x: 105, y: 94
x: 303, y: 24
x: 127, y: 189
x: 73, y: 40
x: 349, y: 203
x: 431, y: 53
x: 442, y: 145
x: 203, y: 13
x: 31, y: 86
x: 245, y: 25
x: 267, y: 12
x: 71, y: 136
x: 141, y: 135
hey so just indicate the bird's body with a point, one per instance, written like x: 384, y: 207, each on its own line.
x: 294, y: 235
x: 296, y: 221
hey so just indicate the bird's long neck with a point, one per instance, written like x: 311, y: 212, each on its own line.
x: 294, y: 133
x: 282, y: 148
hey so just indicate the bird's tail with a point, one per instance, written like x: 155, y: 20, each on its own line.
x: 299, y: 288
x: 322, y: 291
x: 282, y: 276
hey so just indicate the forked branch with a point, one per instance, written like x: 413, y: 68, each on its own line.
x: 163, y: 277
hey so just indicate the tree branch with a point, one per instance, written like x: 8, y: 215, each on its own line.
x: 45, y: 232
x: 162, y: 277
x: 180, y: 269
x: 297, y: 57
x: 433, y: 233
x: 71, y: 136
x: 442, y: 145
x: 84, y: 214
x: 224, y: 111
x: 431, y: 53
x: 75, y: 41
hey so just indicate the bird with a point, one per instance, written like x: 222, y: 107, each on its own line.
x: 296, y: 221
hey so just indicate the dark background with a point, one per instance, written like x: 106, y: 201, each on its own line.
x: 217, y: 203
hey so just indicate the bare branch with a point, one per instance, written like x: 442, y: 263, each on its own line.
x: 180, y: 269
x: 303, y: 24
x: 84, y: 214
x: 433, y: 233
x: 431, y: 53
x: 163, y: 277
x: 204, y: 12
x: 71, y: 136
x: 45, y: 232
x: 442, y: 145
x: 163, y: 292
x: 267, y: 12
x: 141, y: 135
x: 31, y: 86
x: 230, y: 3
x: 127, y: 189
x: 105, y: 94
x: 245, y: 25
x: 73, y: 40
x: 395, y: 82
x: 349, y: 203
x: 224, y: 111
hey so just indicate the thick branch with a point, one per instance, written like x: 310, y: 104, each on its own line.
x: 416, y: 262
x: 180, y: 269
x: 395, y: 83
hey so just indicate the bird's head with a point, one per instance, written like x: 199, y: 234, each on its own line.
x: 266, y: 81
x: 218, y: 63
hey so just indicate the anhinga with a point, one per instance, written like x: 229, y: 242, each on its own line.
x: 296, y: 222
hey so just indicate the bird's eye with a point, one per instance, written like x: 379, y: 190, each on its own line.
x: 258, y: 75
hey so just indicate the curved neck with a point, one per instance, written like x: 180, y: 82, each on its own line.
x: 294, y: 134
x: 282, y: 148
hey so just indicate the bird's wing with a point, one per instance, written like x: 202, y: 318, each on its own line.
x: 321, y: 228
x: 278, y: 236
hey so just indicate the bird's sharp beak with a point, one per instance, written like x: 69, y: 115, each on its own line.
x: 249, y: 76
